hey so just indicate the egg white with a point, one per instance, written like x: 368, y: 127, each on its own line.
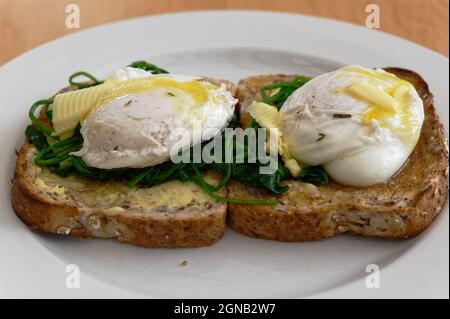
x: 324, y: 126
x: 134, y: 130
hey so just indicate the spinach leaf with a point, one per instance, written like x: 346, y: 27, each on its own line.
x: 57, y: 157
x: 314, y: 174
x: 144, y: 65
x: 37, y: 138
x: 277, y: 93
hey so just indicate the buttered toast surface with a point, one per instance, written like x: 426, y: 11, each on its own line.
x: 173, y: 214
x: 176, y: 214
x: 402, y: 208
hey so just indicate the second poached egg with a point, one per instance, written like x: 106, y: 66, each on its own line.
x: 360, y: 124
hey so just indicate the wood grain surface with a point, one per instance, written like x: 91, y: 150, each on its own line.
x: 25, y: 24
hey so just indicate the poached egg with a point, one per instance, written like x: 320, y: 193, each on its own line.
x: 360, y: 124
x: 127, y: 121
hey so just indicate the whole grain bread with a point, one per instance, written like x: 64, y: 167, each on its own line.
x: 401, y: 208
x: 172, y: 215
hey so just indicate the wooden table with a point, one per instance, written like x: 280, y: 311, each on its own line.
x: 25, y: 24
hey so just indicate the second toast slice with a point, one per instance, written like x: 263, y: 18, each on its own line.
x: 402, y: 208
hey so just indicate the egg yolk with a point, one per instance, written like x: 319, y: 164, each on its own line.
x: 388, y: 97
x: 71, y: 108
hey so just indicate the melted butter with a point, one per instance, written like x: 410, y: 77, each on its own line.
x: 53, y: 189
x: 117, y: 196
x: 173, y: 194
x: 197, y: 90
x: 373, y: 95
x: 386, y: 81
x: 71, y: 108
x: 388, y: 97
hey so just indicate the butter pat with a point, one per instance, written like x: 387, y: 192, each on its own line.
x: 293, y: 167
x: 373, y: 95
x: 265, y: 115
x: 268, y: 117
x: 72, y: 107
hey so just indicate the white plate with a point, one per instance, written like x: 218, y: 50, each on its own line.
x: 229, y: 45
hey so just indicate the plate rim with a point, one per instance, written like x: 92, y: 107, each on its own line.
x: 231, y: 11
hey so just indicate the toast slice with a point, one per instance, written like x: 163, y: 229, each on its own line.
x: 172, y: 214
x: 402, y: 208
